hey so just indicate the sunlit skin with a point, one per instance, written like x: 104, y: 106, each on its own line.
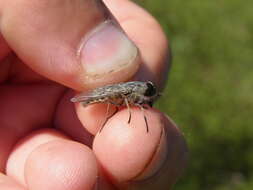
x: 46, y: 141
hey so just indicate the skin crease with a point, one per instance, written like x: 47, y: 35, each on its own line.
x: 46, y: 142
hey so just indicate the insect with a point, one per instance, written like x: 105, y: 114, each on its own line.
x: 134, y: 93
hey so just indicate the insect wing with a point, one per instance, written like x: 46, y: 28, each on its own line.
x: 113, y: 92
x: 83, y: 97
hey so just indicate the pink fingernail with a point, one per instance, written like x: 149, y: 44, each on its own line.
x: 107, y: 49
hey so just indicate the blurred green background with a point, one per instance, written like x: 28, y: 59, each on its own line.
x: 210, y: 89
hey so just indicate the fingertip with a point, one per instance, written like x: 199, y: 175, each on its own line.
x: 4, y: 48
x: 61, y: 165
x: 17, y: 158
x: 132, y: 157
x: 131, y: 147
x: 7, y: 183
x: 66, y: 120
x: 94, y: 116
x: 174, y: 161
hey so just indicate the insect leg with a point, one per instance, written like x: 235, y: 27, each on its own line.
x: 145, y: 107
x: 107, y: 111
x: 145, y: 118
x: 129, y: 110
x: 107, y: 118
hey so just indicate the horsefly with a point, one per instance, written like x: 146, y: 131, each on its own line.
x: 134, y: 93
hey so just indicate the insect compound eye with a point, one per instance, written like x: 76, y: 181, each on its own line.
x: 151, y: 90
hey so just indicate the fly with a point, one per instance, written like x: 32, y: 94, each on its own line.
x: 134, y: 93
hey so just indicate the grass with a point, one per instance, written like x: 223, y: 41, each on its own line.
x: 210, y: 89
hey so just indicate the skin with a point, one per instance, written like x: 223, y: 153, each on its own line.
x: 47, y: 142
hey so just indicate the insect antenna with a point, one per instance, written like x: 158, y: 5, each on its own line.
x: 129, y: 110
x: 108, y: 117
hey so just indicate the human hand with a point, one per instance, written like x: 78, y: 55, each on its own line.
x: 78, y: 45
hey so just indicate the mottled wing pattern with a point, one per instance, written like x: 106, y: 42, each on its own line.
x: 109, y: 92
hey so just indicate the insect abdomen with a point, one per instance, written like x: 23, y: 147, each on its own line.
x: 94, y: 101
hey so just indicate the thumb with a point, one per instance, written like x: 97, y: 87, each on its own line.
x: 77, y: 43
